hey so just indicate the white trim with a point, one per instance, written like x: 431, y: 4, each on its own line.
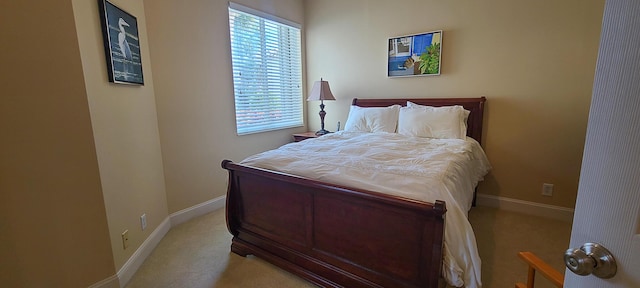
x: 131, y: 266
x: 111, y: 282
x: 527, y: 207
x: 245, y: 9
x: 187, y: 214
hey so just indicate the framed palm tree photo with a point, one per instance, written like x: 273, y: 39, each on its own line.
x: 121, y: 44
x: 415, y: 55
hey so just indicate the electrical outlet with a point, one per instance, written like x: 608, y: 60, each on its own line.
x: 125, y: 239
x: 547, y: 189
x: 143, y: 221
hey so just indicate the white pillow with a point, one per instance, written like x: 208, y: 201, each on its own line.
x: 464, y: 115
x: 433, y: 122
x: 372, y: 119
x: 466, y: 112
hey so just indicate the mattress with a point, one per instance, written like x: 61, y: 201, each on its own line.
x: 423, y: 169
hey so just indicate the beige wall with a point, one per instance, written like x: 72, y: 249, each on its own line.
x: 81, y: 159
x: 126, y: 133
x: 533, y: 60
x: 53, y: 225
x: 189, y: 44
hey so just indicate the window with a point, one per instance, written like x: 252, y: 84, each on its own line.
x: 267, y: 71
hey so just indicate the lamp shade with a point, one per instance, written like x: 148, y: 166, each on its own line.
x: 320, y: 91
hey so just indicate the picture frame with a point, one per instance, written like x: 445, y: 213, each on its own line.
x: 415, y: 55
x: 121, y: 44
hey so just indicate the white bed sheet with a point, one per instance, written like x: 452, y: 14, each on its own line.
x: 402, y: 166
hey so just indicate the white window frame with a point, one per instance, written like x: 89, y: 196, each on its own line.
x: 267, y: 73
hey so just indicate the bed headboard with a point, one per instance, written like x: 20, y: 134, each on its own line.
x: 475, y: 105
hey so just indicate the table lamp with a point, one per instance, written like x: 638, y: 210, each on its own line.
x: 321, y: 91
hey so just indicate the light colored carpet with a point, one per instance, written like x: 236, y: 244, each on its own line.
x: 196, y: 254
x: 500, y: 235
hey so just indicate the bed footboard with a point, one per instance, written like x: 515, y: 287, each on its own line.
x: 334, y: 236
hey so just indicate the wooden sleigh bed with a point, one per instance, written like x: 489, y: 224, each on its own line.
x: 336, y: 236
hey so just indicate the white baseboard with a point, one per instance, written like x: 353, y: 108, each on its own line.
x: 527, y: 207
x: 187, y: 214
x: 111, y: 282
x: 131, y: 266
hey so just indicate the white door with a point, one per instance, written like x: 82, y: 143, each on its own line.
x: 608, y: 202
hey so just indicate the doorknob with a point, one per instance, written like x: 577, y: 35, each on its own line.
x: 591, y: 258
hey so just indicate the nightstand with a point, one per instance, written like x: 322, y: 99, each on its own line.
x: 297, y: 137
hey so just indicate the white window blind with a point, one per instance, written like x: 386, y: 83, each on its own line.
x: 267, y: 71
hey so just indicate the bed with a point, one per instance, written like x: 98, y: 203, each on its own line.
x: 338, y: 233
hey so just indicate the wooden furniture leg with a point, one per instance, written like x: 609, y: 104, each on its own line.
x: 536, y: 264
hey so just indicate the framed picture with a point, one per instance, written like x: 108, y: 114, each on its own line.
x: 121, y: 44
x: 415, y: 55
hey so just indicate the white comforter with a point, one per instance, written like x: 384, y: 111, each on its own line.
x: 403, y: 166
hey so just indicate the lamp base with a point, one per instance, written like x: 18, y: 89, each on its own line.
x: 322, y: 132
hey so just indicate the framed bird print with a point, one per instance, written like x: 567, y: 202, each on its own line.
x: 121, y: 44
